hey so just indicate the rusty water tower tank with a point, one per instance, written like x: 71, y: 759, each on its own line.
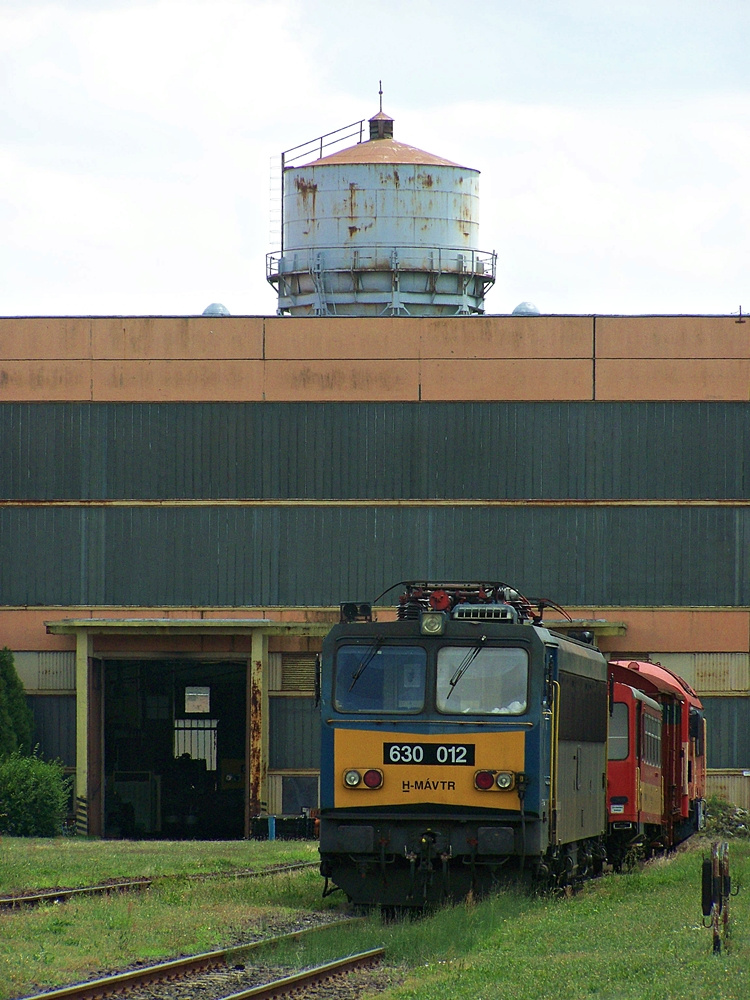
x: 378, y: 229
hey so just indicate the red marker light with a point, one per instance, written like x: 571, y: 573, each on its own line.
x: 373, y: 778
x: 484, y: 780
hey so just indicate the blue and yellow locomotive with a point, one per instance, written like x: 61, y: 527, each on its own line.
x: 461, y: 740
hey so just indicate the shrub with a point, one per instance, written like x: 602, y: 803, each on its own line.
x: 723, y: 819
x: 8, y: 741
x: 13, y: 698
x: 33, y: 796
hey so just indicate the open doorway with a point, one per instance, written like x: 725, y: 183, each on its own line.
x: 174, y: 748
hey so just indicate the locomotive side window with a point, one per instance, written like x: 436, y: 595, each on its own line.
x: 380, y: 678
x: 618, y: 732
x: 482, y: 680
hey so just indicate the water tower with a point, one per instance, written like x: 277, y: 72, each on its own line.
x: 378, y: 229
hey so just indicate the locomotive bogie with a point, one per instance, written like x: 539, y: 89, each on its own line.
x: 414, y: 862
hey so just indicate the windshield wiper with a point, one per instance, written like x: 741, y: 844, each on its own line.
x: 464, y: 665
x: 365, y: 661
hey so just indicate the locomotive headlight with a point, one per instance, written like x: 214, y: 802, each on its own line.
x: 432, y: 623
x: 503, y: 781
x: 352, y: 778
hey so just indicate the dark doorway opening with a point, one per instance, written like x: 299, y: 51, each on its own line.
x: 174, y: 749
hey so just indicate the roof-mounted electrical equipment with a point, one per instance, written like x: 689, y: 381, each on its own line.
x: 472, y: 602
x: 485, y: 612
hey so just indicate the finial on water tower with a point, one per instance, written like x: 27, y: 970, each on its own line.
x: 381, y: 124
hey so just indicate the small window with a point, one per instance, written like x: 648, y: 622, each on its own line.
x: 299, y: 793
x: 619, y: 747
x: 652, y: 740
x: 197, y: 699
x: 195, y: 740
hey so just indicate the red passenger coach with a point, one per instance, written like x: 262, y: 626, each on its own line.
x: 634, y: 770
x: 657, y: 766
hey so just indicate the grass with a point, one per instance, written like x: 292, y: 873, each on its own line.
x: 627, y: 937
x: 27, y: 863
x: 56, y: 944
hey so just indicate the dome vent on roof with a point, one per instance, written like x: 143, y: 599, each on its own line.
x: 525, y: 309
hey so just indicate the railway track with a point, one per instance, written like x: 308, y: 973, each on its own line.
x: 212, y: 974
x: 34, y: 897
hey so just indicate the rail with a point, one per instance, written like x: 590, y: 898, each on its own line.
x: 290, y: 984
x: 194, y: 964
x: 61, y: 895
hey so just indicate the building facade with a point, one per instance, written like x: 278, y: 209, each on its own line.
x: 185, y: 501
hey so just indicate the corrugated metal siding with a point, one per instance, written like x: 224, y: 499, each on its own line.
x: 728, y: 732
x: 235, y: 556
x: 55, y: 726
x: 373, y: 450
x: 732, y: 785
x: 47, y: 671
x: 710, y: 671
x: 293, y: 733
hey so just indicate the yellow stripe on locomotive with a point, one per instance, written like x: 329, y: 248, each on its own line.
x: 447, y: 769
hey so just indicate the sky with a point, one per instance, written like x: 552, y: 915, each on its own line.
x: 137, y: 141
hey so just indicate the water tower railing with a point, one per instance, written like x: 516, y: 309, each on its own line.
x: 377, y: 257
x: 316, y: 147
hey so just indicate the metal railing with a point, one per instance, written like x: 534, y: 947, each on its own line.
x: 374, y: 257
x: 317, y: 145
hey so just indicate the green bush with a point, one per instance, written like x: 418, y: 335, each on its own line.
x: 16, y: 720
x: 723, y: 819
x: 33, y: 796
x: 8, y: 741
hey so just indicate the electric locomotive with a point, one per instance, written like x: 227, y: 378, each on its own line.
x: 462, y: 740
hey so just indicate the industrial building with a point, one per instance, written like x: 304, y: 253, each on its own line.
x: 184, y: 501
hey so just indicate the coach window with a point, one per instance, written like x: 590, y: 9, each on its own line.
x: 652, y: 740
x: 618, y: 732
x: 482, y: 680
x: 380, y: 678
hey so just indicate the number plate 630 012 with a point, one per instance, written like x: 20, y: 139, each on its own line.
x: 428, y: 753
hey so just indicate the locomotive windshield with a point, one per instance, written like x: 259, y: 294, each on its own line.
x: 380, y: 678
x: 482, y: 680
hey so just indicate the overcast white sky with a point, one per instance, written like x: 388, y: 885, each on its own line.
x: 613, y: 140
